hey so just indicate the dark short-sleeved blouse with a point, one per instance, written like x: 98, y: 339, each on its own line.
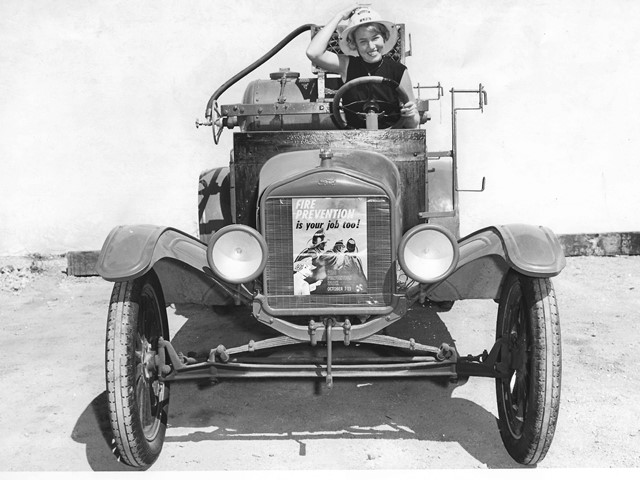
x: 387, y: 68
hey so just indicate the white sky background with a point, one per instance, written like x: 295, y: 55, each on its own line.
x: 98, y: 102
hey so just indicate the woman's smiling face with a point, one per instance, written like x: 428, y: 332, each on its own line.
x: 369, y: 43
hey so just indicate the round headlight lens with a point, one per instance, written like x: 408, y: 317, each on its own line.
x: 428, y: 253
x: 237, y: 253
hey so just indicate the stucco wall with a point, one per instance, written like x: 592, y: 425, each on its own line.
x: 98, y: 101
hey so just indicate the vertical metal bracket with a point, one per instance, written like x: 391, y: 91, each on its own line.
x: 453, y: 153
x: 312, y: 333
x: 321, y: 85
x: 346, y: 326
x: 329, y: 323
x: 482, y: 101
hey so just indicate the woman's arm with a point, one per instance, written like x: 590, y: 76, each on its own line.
x: 317, y: 49
x: 409, y: 110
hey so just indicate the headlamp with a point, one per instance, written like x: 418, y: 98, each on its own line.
x: 237, y: 253
x: 428, y: 253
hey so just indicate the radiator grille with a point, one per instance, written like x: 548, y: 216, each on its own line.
x: 278, y: 274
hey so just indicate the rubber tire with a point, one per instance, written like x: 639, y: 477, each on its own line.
x: 136, y: 306
x: 534, y: 300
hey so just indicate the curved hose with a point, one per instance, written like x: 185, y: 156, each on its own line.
x: 254, y: 65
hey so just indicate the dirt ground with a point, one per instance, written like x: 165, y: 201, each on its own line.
x: 54, y: 414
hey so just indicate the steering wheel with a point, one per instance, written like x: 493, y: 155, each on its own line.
x: 368, y: 105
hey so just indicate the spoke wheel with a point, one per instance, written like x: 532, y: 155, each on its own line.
x: 528, y: 395
x: 138, y: 401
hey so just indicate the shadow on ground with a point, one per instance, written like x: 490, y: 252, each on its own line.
x: 94, y: 430
x: 303, y: 409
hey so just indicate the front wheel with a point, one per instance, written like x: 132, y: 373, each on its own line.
x: 529, y: 395
x: 138, y: 401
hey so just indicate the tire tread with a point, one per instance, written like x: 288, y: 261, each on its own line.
x: 120, y: 376
x: 540, y: 299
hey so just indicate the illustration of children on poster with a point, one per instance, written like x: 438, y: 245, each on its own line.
x: 330, y: 235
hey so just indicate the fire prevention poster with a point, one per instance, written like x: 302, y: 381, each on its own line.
x: 329, y: 246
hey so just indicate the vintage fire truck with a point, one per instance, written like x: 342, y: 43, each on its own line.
x: 328, y: 235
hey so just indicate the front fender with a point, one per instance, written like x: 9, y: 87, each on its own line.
x: 488, y: 254
x: 179, y: 260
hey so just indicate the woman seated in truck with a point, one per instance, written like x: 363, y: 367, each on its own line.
x: 365, y: 41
